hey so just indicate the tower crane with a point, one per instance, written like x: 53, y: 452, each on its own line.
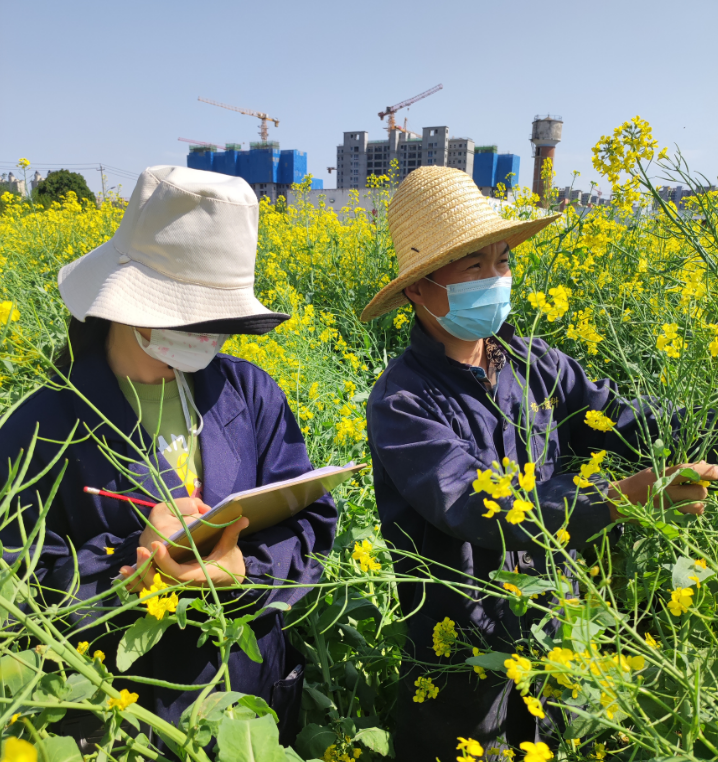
x: 263, y: 130
x: 391, y: 110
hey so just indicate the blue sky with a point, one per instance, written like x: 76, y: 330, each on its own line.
x: 88, y: 82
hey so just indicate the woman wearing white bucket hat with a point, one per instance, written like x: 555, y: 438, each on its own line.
x: 150, y: 305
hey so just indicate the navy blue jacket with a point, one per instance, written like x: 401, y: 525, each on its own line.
x: 250, y: 438
x: 432, y: 425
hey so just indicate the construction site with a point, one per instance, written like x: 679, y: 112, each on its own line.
x: 268, y: 169
x: 271, y: 171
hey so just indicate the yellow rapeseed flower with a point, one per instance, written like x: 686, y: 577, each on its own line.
x: 125, y: 699
x: 536, y: 752
x: 18, y: 750
x: 534, y: 706
x: 563, y: 536
x: 518, y: 511
x: 8, y: 312
x: 425, y: 689
x: 492, y: 507
x: 597, y: 420
x: 681, y: 600
x: 159, y: 605
x: 469, y: 747
x: 82, y: 647
x: 363, y: 554
x: 527, y: 480
x: 445, y: 636
x: 480, y: 671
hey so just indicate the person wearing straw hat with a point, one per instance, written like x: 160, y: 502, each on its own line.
x: 150, y: 310
x: 451, y: 405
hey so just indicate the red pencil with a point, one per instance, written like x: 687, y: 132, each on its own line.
x: 104, y: 493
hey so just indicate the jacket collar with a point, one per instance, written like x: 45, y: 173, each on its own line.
x: 422, y: 344
x: 217, y: 401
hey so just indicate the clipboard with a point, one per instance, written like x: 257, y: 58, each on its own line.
x: 264, y: 507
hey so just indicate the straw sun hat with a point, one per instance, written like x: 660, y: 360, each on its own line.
x: 437, y: 216
x: 183, y: 257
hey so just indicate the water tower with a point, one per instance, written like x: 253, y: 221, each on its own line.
x: 545, y: 136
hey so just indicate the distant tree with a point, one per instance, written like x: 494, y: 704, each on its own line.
x: 58, y: 183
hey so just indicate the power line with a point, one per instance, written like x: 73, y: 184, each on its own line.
x: 96, y: 166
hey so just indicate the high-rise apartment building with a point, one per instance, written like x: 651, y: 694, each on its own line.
x: 358, y: 158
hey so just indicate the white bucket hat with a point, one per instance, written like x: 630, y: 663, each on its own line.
x: 183, y: 258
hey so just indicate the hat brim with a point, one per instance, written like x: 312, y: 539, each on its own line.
x: 255, y: 325
x: 97, y: 285
x: 392, y: 295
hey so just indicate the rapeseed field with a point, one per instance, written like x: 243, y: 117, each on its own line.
x: 628, y: 289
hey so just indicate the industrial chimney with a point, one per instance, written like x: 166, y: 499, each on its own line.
x: 545, y: 135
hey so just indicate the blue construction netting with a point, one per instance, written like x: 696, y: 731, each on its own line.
x: 263, y: 165
x: 225, y: 162
x: 484, y: 169
x: 203, y: 160
x: 506, y: 163
x: 292, y: 167
x: 317, y: 184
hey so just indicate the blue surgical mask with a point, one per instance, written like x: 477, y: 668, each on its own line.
x: 477, y: 309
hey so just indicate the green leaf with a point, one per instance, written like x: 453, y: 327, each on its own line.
x: 584, y: 632
x: 528, y: 584
x: 322, y: 701
x: 49, y: 716
x: 214, y: 708
x: 537, y: 630
x: 61, y: 749
x: 247, y: 641
x: 493, y: 660
x: 377, y: 740
x: 249, y: 740
x: 518, y: 606
x: 143, y: 635
x: 690, y: 473
x: 258, y: 705
x: 14, y: 672
x: 315, y: 739
x: 668, y: 531
x: 685, y: 571
x: 352, y: 636
x: 79, y: 688
x: 181, y: 612
x: 291, y: 756
x: 582, y: 726
x: 49, y: 688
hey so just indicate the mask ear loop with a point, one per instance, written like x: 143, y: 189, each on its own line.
x: 426, y: 277
x: 185, y: 394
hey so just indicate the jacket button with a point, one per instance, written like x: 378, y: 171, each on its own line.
x: 526, y: 558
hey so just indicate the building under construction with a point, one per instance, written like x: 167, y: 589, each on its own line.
x: 270, y: 171
x: 358, y: 158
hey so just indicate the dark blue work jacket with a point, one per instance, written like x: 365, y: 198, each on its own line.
x: 431, y: 426
x: 250, y: 438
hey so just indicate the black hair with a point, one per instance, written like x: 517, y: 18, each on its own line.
x: 85, y: 338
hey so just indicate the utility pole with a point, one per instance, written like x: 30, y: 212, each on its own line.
x: 102, y: 175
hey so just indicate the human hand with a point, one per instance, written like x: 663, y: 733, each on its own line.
x: 164, y: 523
x: 225, y: 564
x: 635, y: 488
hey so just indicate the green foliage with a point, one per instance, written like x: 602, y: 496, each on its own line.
x: 631, y: 296
x: 59, y: 183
